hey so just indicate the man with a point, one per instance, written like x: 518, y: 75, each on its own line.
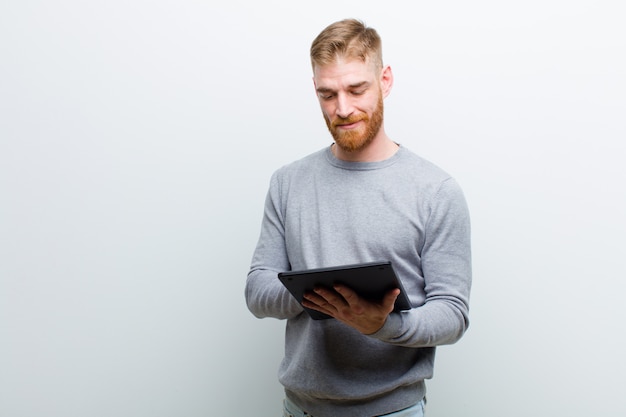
x: 365, y: 198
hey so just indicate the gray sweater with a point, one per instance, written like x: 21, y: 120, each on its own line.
x: 321, y: 211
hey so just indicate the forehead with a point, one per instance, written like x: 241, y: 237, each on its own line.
x: 343, y: 72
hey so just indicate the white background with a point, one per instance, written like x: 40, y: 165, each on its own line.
x: 137, y: 139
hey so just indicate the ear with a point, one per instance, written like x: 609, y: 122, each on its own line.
x: 386, y: 80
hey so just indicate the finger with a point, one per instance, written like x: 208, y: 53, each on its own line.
x: 331, y: 297
x: 316, y: 307
x: 349, y: 296
x: 314, y: 298
x: 354, y: 305
x: 315, y: 302
x: 389, y: 300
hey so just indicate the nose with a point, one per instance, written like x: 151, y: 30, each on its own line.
x: 344, y: 106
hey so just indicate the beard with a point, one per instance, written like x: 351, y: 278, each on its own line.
x: 357, y: 139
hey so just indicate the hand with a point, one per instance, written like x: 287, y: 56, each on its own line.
x: 346, y: 306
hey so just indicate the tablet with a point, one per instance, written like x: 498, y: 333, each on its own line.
x: 370, y: 280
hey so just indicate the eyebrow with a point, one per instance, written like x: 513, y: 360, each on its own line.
x: 351, y: 86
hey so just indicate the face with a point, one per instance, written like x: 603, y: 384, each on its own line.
x: 351, y: 98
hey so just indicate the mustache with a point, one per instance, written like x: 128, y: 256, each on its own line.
x: 348, y: 120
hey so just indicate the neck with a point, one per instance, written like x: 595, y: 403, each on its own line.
x: 378, y: 150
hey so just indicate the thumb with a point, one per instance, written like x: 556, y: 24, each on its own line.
x: 390, y: 299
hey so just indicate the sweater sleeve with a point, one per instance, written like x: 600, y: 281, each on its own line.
x: 446, y: 265
x: 265, y: 294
